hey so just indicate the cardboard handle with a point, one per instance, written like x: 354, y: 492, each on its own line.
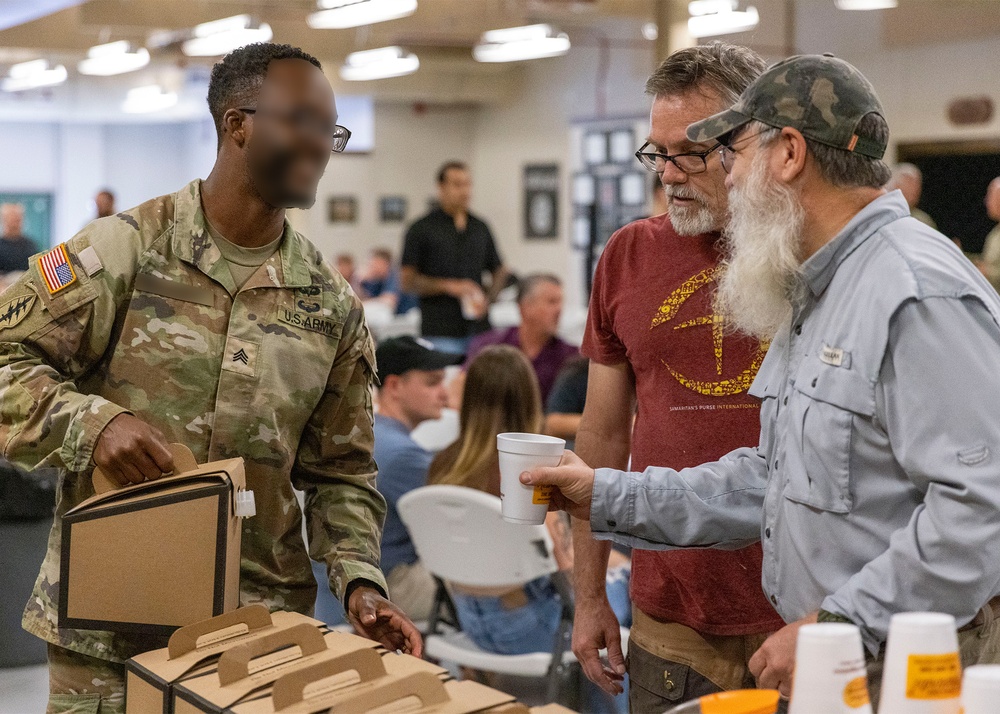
x: 234, y: 665
x: 183, y: 461
x: 423, y: 685
x: 290, y: 689
x: 185, y: 640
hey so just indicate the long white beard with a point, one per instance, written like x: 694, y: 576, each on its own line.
x: 691, y: 220
x: 762, y: 276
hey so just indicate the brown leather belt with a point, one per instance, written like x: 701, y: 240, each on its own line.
x: 980, y: 618
x: 514, y: 599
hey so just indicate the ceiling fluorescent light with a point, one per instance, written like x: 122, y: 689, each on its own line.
x: 514, y: 44
x: 220, y: 37
x: 113, y: 58
x: 378, y: 64
x: 151, y: 98
x: 719, y: 17
x: 32, y: 75
x: 341, y: 14
x: 866, y: 4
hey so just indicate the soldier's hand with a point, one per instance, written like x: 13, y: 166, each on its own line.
x: 378, y: 619
x: 131, y: 451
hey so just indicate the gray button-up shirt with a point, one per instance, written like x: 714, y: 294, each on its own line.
x: 876, y: 485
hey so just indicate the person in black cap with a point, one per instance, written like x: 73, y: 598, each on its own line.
x: 412, y: 391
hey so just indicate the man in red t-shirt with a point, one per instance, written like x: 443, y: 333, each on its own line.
x: 654, y: 341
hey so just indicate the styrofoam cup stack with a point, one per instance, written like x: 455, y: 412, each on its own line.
x: 830, y: 671
x: 981, y: 689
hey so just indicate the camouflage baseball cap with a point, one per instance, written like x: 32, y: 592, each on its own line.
x: 821, y: 96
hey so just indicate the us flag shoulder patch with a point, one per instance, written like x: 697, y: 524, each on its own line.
x: 56, y: 270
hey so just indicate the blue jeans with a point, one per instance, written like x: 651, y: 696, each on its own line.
x: 530, y: 628
x: 454, y: 345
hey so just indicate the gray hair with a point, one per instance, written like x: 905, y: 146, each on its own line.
x: 839, y: 167
x: 529, y: 283
x: 718, y: 67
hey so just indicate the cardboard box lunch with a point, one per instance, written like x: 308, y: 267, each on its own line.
x: 251, y: 669
x: 157, y: 555
x: 332, y: 679
x: 419, y: 693
x: 195, y: 649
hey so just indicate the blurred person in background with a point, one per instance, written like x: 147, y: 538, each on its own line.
x: 564, y: 407
x: 347, y: 267
x: 540, y: 303
x: 445, y: 257
x: 104, y: 202
x: 989, y: 261
x: 909, y: 179
x: 380, y: 281
x: 15, y: 247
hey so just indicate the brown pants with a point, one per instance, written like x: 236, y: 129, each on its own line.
x: 79, y: 684
x: 669, y: 664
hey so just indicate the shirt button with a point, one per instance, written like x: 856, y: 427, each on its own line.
x: 785, y: 401
x: 767, y: 532
x: 814, y: 381
x: 776, y: 462
x: 612, y: 524
x: 774, y: 600
x: 798, y: 329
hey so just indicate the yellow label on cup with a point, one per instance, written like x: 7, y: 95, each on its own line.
x: 937, y: 676
x: 542, y: 495
x: 856, y: 693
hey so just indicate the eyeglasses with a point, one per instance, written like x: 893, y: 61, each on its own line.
x: 306, y: 123
x: 727, y: 154
x: 690, y: 163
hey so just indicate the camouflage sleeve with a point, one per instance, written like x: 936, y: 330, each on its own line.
x: 47, y: 340
x: 335, y: 468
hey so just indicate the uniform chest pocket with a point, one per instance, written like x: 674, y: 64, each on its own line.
x: 827, y: 401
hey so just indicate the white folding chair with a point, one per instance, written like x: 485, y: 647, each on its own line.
x: 436, y: 435
x: 461, y: 539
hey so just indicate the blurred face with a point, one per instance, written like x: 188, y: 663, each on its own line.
x: 378, y: 268
x: 290, y: 136
x: 696, y: 203
x: 993, y: 201
x: 456, y: 190
x: 762, y: 277
x: 420, y: 395
x: 12, y: 217
x: 911, y: 187
x: 542, y: 307
x: 105, y: 204
x: 345, y: 266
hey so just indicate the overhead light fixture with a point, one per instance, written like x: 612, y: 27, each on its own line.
x: 341, y: 14
x: 150, y: 98
x: 379, y: 64
x: 113, y: 58
x: 866, y: 4
x: 514, y: 44
x: 220, y: 37
x: 719, y: 17
x: 33, y: 75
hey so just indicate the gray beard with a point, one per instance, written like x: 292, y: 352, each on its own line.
x: 762, y: 276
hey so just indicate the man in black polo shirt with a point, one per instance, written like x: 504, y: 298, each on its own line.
x: 445, y: 254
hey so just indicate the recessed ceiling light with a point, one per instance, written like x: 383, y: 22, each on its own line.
x: 380, y: 63
x: 341, y: 14
x: 113, y: 58
x: 514, y: 44
x: 219, y: 37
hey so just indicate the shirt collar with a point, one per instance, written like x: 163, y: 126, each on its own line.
x: 193, y: 244
x: 819, y: 269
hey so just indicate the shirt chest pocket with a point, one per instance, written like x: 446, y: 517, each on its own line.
x: 825, y: 404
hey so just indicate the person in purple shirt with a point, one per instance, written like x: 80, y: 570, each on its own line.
x: 540, y: 301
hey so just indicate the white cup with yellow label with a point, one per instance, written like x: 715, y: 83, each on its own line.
x: 981, y: 689
x: 830, y: 673
x: 923, y: 673
x: 519, y: 453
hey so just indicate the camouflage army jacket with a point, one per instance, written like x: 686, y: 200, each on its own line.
x: 279, y: 372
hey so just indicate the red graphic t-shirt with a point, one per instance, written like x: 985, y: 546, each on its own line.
x: 652, y: 307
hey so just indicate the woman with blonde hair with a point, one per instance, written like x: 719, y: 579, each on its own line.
x: 502, y: 395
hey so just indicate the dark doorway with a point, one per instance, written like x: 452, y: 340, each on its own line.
x: 956, y: 175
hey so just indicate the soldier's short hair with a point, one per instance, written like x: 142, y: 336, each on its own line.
x: 718, y: 67
x: 236, y: 79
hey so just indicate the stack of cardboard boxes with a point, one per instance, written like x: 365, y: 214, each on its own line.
x: 163, y: 557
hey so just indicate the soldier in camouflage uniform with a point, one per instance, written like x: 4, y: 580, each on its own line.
x: 149, y: 327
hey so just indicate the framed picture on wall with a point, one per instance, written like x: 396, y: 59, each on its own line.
x: 632, y: 189
x: 392, y: 209
x: 621, y: 146
x: 342, y: 209
x: 595, y: 148
x: 541, y: 201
